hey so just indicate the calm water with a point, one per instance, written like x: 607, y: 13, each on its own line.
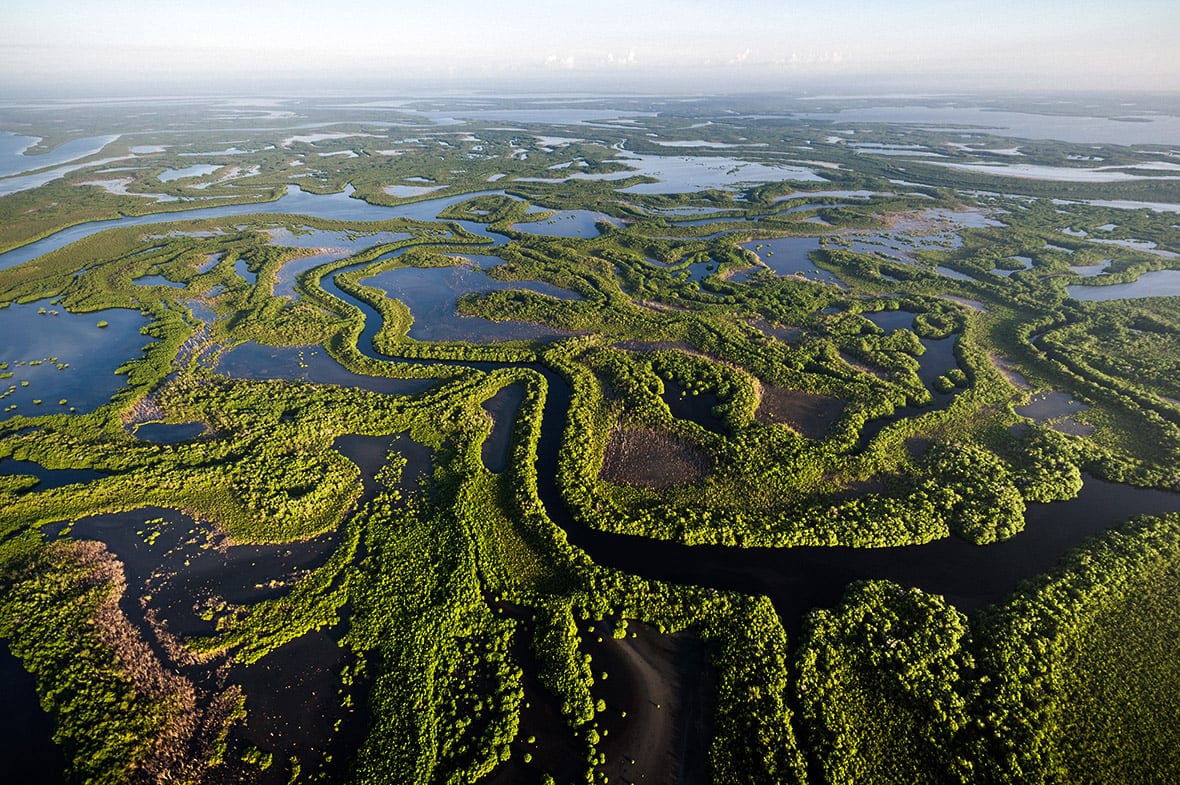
x: 47, y: 478
x: 502, y: 408
x: 92, y: 354
x: 288, y: 274
x: 410, y: 191
x: 1051, y: 405
x: 568, y: 223
x: 242, y: 268
x: 891, y: 320
x: 1057, y: 174
x: 799, y: 579
x: 1161, y: 129
x: 693, y: 173
x: 1025, y: 262
x: 13, y: 161
x: 156, y: 280
x: 897, y: 245
x: 1160, y: 283
x: 789, y: 256
x: 1091, y: 270
x: 938, y: 358
x: 955, y: 274
x: 432, y: 295
x: 697, y: 408
x: 169, y: 433
x: 335, y: 245
x: 309, y: 364
x: 26, y: 731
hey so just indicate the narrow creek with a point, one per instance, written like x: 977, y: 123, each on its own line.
x: 802, y: 578
x: 796, y: 579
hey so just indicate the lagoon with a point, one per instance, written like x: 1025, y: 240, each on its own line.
x: 790, y: 256
x: 14, y: 160
x: 1160, y: 283
x: 432, y: 295
x: 57, y: 356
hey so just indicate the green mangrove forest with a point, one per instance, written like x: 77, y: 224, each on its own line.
x: 704, y: 442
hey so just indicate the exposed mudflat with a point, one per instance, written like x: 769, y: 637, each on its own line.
x: 660, y: 682
x: 809, y: 414
x: 652, y: 459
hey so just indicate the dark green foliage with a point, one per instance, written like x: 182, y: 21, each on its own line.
x: 453, y: 589
x: 880, y: 683
x: 1081, y: 667
x: 755, y: 741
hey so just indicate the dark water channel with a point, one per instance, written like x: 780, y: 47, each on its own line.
x: 26, y: 731
x: 502, y: 408
x: 802, y: 578
x: 47, y: 478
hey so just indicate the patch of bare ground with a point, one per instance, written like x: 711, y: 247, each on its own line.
x: 1072, y: 427
x: 856, y: 489
x: 652, y: 459
x: 655, y: 346
x: 196, y: 344
x: 871, y: 370
x: 146, y: 409
x: 809, y: 414
x: 1008, y: 369
x: 918, y: 446
x: 789, y: 335
x: 655, y: 727
x: 972, y: 305
x: 658, y: 306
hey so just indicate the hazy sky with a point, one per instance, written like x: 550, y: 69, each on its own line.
x: 640, y: 44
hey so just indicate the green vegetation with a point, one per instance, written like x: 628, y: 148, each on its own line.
x: 879, y: 682
x: 1083, y: 669
x: 694, y: 397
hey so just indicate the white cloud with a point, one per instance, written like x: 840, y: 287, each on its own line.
x: 556, y: 61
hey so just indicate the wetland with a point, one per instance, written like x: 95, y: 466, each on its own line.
x: 584, y: 478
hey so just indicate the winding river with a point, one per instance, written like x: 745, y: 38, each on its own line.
x: 796, y: 579
x: 801, y: 578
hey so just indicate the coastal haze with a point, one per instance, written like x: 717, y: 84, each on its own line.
x: 121, y: 47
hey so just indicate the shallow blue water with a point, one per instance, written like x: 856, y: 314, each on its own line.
x: 92, y: 354
x: 1160, y: 283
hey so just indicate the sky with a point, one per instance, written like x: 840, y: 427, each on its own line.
x: 671, y: 45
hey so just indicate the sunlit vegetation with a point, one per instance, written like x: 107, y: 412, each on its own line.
x: 1081, y: 666
x: 692, y: 396
x: 880, y: 682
